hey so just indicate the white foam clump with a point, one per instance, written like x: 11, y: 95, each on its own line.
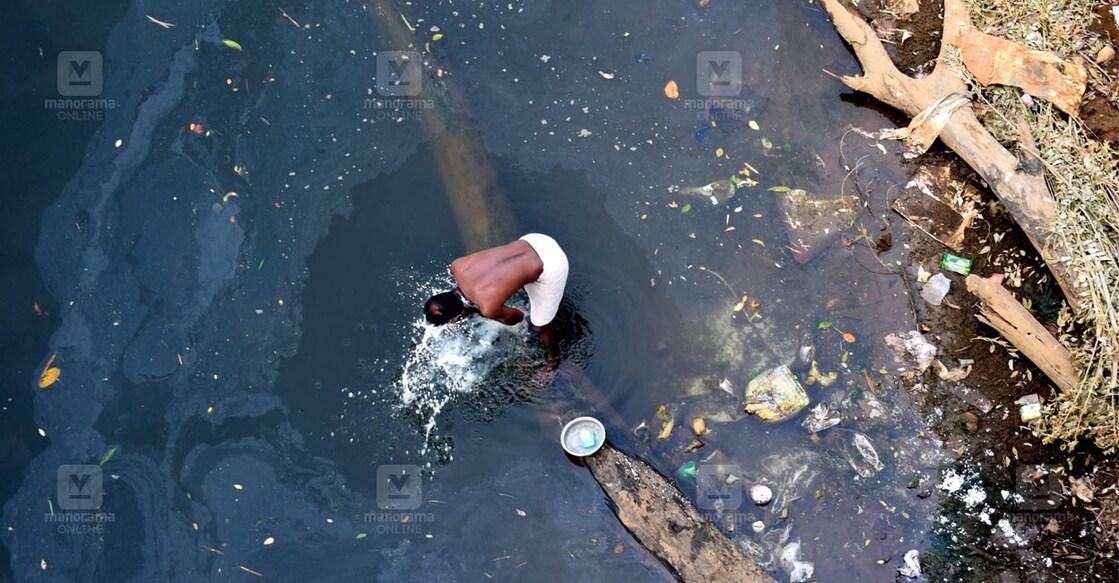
x: 951, y: 482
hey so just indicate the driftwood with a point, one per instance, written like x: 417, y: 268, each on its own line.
x: 1023, y: 192
x: 648, y: 504
x: 666, y: 523
x: 1015, y: 323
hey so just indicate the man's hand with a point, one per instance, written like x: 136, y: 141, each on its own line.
x: 547, y: 333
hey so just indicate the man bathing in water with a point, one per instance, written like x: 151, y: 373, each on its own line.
x: 487, y: 278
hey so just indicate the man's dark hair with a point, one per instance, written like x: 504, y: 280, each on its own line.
x: 442, y: 308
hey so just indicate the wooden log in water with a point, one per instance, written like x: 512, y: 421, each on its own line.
x: 666, y: 523
x: 646, y: 502
x: 481, y: 211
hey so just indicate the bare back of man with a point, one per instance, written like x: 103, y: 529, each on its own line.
x: 488, y: 278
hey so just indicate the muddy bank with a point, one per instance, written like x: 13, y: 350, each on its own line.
x: 1014, y: 509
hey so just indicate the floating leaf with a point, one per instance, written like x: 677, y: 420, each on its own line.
x: 759, y: 242
x: 738, y: 307
x: 48, y: 377
x: 232, y: 44
x: 848, y: 337
x: 686, y: 208
x: 718, y: 152
x: 699, y: 426
x: 766, y: 143
x: 361, y: 535
x: 160, y: 22
x: 269, y: 541
x: 779, y: 188
x: 823, y: 325
x: 666, y: 428
x: 754, y: 126
x: 107, y: 456
x: 250, y: 571
x: 671, y: 91
x: 437, y: 36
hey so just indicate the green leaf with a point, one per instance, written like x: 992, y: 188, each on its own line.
x: 823, y: 325
x: 779, y: 188
x: 767, y: 144
x: 738, y: 307
x: 754, y: 126
x: 686, y: 208
x: 787, y: 147
x: 736, y: 181
x: 232, y: 44
x: 361, y: 535
x: 107, y: 455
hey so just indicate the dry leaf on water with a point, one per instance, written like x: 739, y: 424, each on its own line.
x: 671, y: 91
x: 160, y: 22
x: 50, y: 374
x: 666, y: 428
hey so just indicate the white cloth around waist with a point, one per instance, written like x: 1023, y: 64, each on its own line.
x: 545, y: 294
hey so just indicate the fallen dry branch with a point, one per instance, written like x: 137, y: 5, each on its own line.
x: 1024, y: 193
x: 1015, y: 323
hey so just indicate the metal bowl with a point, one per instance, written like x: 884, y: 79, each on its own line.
x: 582, y: 436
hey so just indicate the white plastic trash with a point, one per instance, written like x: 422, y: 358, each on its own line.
x: 935, y: 289
x: 582, y: 436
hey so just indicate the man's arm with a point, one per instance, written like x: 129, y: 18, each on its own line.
x: 509, y: 316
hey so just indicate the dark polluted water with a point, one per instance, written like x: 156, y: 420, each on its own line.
x: 234, y: 270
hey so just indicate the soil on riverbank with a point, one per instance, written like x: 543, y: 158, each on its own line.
x: 1067, y: 527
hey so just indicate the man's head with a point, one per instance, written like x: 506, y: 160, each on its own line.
x: 442, y: 308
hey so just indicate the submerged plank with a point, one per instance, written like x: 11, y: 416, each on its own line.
x: 664, y: 521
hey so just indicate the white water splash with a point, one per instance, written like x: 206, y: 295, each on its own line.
x: 448, y: 361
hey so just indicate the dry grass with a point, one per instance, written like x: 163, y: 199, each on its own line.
x: 1084, y: 179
